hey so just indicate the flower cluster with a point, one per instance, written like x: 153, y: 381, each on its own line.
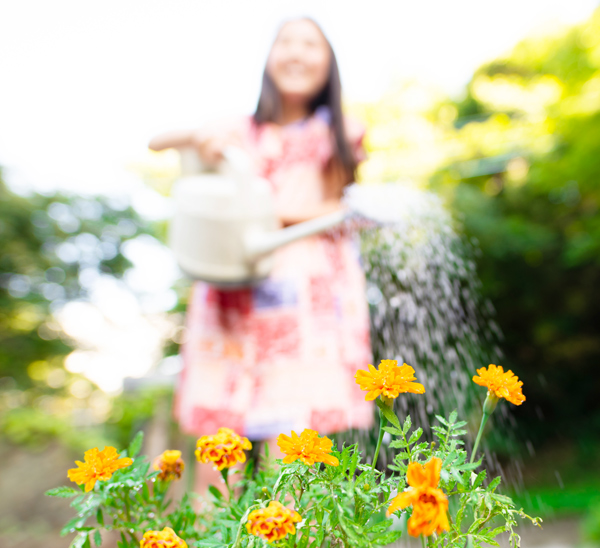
x: 273, y: 522
x: 346, y: 481
x: 170, y: 464
x: 389, y: 381
x: 308, y: 447
x: 430, y: 504
x: 224, y: 449
x: 98, y: 466
x: 501, y: 384
x: 162, y: 539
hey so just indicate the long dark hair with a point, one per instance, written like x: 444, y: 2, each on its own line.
x: 269, y: 108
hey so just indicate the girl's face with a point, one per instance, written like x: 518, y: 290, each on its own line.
x: 299, y: 61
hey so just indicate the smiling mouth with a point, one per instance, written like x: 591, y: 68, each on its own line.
x: 295, y: 70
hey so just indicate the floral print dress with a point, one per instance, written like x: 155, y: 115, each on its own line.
x: 282, y: 355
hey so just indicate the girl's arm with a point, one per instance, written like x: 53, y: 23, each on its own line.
x: 208, y: 142
x: 325, y: 207
x: 172, y: 139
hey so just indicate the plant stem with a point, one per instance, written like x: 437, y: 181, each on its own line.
x: 423, y: 541
x: 126, y: 501
x: 382, y: 423
x: 484, y: 419
x: 225, y: 476
x: 244, y: 519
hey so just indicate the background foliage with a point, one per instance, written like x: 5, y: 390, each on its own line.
x: 526, y: 184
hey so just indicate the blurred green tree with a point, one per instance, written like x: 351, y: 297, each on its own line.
x: 50, y: 247
x: 524, y: 175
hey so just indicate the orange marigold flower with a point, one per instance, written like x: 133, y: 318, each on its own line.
x: 224, y: 449
x: 501, y: 384
x: 430, y: 504
x: 390, y: 380
x: 170, y: 464
x: 273, y: 522
x: 162, y: 539
x: 98, y: 466
x: 308, y: 447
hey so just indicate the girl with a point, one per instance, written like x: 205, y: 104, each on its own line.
x: 282, y: 355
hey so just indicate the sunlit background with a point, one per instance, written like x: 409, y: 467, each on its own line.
x: 494, y: 105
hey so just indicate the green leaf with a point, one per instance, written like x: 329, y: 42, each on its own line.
x: 380, y: 527
x: 79, y: 540
x: 407, y: 424
x: 86, y: 542
x: 319, y: 515
x: 487, y: 499
x: 478, y: 479
x: 72, y: 525
x: 63, y: 492
x: 100, y: 517
x: 453, y: 416
x: 388, y: 413
x: 135, y: 445
x: 393, y: 431
x: 503, y: 499
x: 388, y: 538
x: 321, y: 531
x: 442, y: 420
x: 398, y: 444
x: 353, y: 463
x: 97, y: 538
x: 215, y: 492
x: 415, y: 436
x: 303, y: 543
x: 494, y: 483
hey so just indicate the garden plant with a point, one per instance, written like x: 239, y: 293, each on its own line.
x: 317, y: 495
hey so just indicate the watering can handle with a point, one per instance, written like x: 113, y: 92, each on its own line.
x: 259, y: 244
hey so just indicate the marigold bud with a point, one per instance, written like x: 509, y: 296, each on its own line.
x: 170, y: 464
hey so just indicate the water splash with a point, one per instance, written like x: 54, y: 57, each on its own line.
x: 425, y: 302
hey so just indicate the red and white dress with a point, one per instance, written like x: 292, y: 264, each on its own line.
x: 282, y: 355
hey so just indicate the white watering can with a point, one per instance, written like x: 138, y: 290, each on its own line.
x: 225, y: 228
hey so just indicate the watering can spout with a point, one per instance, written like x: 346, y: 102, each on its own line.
x: 258, y: 244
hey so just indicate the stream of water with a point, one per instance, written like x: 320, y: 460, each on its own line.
x: 426, y: 307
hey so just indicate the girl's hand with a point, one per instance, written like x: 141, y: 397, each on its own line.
x: 209, y: 147
x: 210, y: 143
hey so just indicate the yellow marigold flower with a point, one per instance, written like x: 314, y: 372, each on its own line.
x: 273, y: 522
x: 389, y: 381
x: 308, y: 447
x: 98, y: 466
x: 430, y: 504
x: 162, y: 539
x: 501, y: 384
x: 170, y: 464
x: 224, y: 449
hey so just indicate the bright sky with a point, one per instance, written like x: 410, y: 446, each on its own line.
x: 86, y: 84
